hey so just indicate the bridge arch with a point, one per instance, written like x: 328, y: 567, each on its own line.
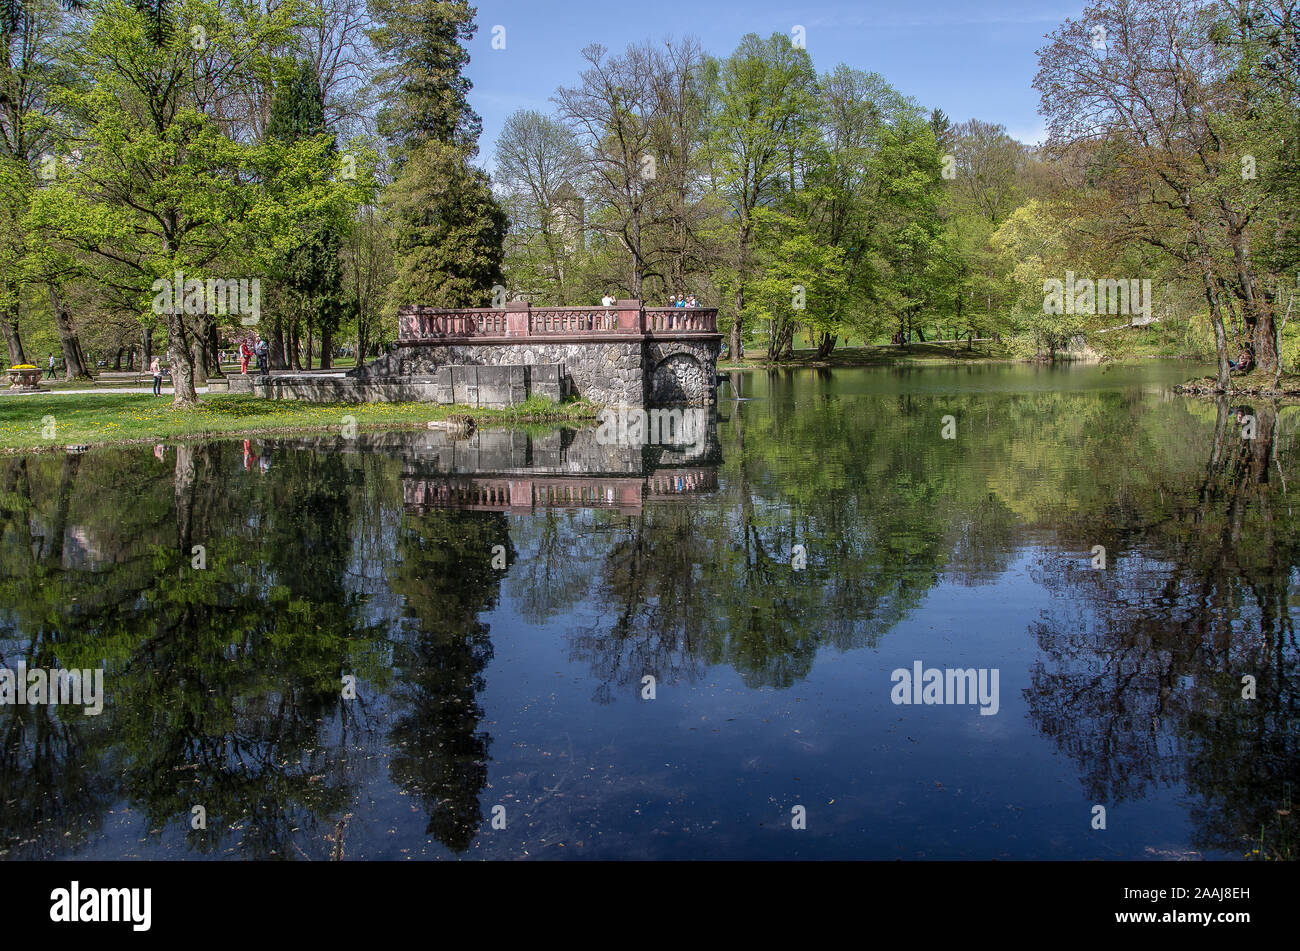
x: 680, y: 377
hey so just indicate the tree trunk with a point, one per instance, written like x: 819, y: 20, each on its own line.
x: 1257, y: 314
x: 307, y: 351
x: 74, y: 361
x: 10, y: 323
x: 326, y: 346
x: 214, y: 350
x: 13, y: 341
x: 1266, y: 355
x: 1220, y: 336
x: 181, y: 362
x: 826, y: 345
x: 276, y: 346
x: 147, y: 347
x: 737, y: 346
x: 199, y: 345
x: 735, y: 325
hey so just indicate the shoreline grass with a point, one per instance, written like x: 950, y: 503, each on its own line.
x: 872, y: 356
x: 27, y: 422
x: 924, y: 354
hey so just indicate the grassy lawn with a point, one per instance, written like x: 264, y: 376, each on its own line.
x: 108, y: 418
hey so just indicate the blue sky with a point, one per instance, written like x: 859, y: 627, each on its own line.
x: 970, y: 58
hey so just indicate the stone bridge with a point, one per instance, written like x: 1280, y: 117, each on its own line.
x: 624, y: 355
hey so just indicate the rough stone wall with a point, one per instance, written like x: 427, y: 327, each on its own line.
x: 608, y: 373
x: 682, y: 371
x: 611, y: 373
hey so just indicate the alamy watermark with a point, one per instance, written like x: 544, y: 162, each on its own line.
x: 37, y: 687
x: 933, y: 685
x: 212, y: 296
x: 76, y: 904
x: 1105, y: 296
x: 663, y: 427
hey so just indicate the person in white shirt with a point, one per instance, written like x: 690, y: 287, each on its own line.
x: 607, y: 300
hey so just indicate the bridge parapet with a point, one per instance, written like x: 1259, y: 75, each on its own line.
x: 626, y: 319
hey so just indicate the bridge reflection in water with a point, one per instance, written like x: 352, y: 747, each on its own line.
x: 516, y: 471
x: 488, y: 494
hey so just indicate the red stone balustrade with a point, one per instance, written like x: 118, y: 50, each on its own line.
x: 526, y: 493
x: 500, y: 494
x: 626, y: 318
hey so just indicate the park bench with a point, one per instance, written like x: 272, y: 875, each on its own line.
x: 121, y: 376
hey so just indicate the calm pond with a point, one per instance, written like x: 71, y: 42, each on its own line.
x: 498, y: 602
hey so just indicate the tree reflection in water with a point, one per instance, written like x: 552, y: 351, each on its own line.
x: 223, y: 682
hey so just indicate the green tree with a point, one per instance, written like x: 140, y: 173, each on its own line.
x: 763, y: 125
x: 311, y: 270
x: 449, y: 230
x: 32, y: 69
x: 800, y: 280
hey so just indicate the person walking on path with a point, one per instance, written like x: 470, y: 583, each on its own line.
x: 156, y: 369
x: 50, y: 372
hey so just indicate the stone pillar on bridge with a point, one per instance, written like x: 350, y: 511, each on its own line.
x: 517, y: 318
x: 631, y: 316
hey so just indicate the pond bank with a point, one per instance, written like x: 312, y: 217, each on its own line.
x: 55, y: 423
x: 892, y: 355
x: 1255, y: 384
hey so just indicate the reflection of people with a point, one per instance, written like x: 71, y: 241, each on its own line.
x: 160, y: 451
x: 248, y: 453
x: 264, y: 460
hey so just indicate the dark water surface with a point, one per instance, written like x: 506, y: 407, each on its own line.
x: 479, y: 686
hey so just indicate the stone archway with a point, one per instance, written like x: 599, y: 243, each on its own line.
x: 679, y: 378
